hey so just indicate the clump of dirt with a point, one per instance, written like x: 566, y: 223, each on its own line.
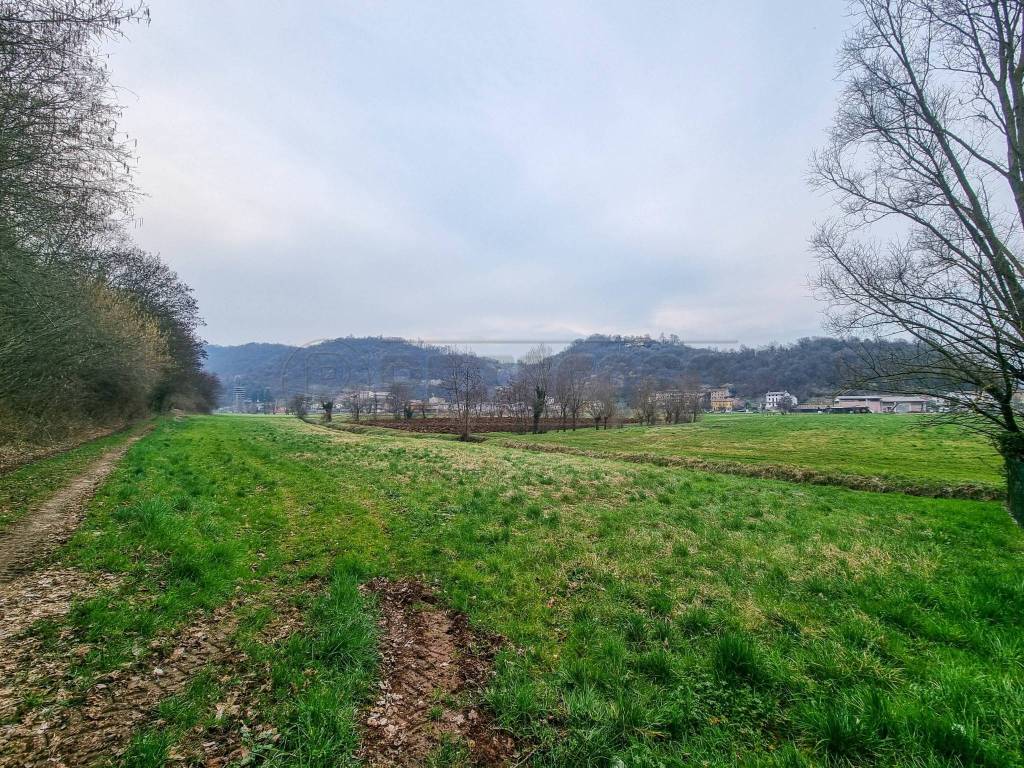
x: 433, y: 666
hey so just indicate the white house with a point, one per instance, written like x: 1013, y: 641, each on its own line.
x: 772, y: 400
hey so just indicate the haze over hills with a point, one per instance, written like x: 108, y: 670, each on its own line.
x: 807, y: 367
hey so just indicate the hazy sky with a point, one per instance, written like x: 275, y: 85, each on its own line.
x: 484, y: 170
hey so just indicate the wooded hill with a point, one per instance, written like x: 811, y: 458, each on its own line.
x: 808, y: 367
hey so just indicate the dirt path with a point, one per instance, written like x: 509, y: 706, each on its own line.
x: 45, y: 719
x: 433, y: 668
x: 41, y: 532
x: 28, y: 596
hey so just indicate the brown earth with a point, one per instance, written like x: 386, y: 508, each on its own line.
x: 487, y: 424
x: 71, y: 731
x: 433, y: 668
x: 25, y: 668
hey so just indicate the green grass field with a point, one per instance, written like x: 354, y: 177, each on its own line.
x: 656, y: 616
x: 911, y: 447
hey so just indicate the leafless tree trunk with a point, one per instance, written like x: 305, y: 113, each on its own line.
x: 355, y: 402
x: 602, y: 401
x: 645, y: 401
x: 462, y: 380
x: 400, y: 399
x: 928, y: 150
x: 571, y: 384
x: 535, y: 373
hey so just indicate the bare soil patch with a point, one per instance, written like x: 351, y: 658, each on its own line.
x: 24, y: 667
x: 44, y: 720
x: 433, y: 667
x: 238, y: 721
x: 41, y: 532
x: 68, y: 734
x: 75, y: 731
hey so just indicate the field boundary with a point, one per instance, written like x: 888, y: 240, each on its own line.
x: 368, y: 429
x: 789, y: 473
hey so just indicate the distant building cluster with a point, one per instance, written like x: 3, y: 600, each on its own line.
x: 645, y: 405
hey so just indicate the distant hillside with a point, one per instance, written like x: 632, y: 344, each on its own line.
x: 808, y: 367
x: 279, y: 370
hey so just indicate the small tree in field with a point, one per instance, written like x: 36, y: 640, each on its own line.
x: 462, y: 380
x: 570, y: 389
x: 535, y: 375
x: 645, y: 401
x: 602, y: 402
x: 297, y: 405
x: 928, y: 143
x: 400, y: 400
x: 356, y: 403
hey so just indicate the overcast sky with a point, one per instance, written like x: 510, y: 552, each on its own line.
x: 484, y: 170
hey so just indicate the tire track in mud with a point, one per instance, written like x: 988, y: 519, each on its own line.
x: 433, y: 666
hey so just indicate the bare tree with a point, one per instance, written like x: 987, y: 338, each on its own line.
x: 297, y: 405
x: 535, y: 374
x: 602, y: 401
x: 570, y: 387
x: 400, y: 399
x: 645, y: 401
x: 928, y: 149
x: 462, y: 380
x: 512, y: 400
x: 356, y: 403
x: 672, y: 404
x: 66, y: 167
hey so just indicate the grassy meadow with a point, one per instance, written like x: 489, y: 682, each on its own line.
x: 893, y: 446
x: 654, y: 616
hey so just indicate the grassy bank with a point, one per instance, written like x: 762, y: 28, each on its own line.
x: 899, y: 448
x: 656, y: 616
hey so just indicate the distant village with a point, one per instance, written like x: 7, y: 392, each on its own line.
x: 371, y: 403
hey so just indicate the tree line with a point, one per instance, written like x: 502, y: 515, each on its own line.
x: 568, y: 389
x: 92, y: 328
